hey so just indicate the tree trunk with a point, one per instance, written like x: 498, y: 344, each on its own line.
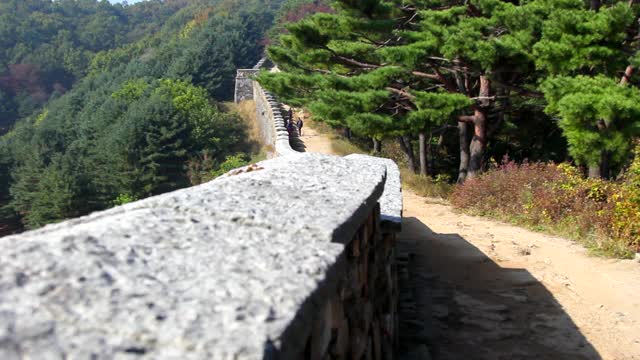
x: 347, y: 133
x: 377, y: 146
x: 594, y: 171
x: 628, y: 72
x: 464, y: 131
x: 603, y: 169
x: 407, y: 148
x: 423, y: 154
x: 433, y: 152
x: 478, y: 144
x: 479, y: 141
x: 605, y: 165
x: 595, y: 5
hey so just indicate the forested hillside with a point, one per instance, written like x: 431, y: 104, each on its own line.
x: 45, y: 46
x: 122, y: 102
x: 474, y: 84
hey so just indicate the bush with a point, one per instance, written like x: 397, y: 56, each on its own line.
x: 124, y: 199
x: 626, y: 217
x: 603, y: 214
x: 232, y: 162
x: 438, y: 187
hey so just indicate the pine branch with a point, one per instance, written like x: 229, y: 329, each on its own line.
x: 400, y: 92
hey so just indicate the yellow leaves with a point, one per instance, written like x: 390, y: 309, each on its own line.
x: 626, y: 200
x: 188, y: 29
x: 199, y: 19
x: 41, y: 117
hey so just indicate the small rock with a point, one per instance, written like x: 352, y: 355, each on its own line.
x: 524, y: 251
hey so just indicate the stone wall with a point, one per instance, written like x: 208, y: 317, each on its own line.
x: 290, y: 258
x: 358, y: 319
x: 357, y: 315
x: 285, y: 259
x: 269, y: 111
x: 271, y: 121
x: 244, y: 84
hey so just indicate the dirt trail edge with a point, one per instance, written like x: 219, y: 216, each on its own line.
x: 488, y: 290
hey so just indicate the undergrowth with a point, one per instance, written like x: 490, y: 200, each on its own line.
x: 438, y: 187
x: 602, y: 215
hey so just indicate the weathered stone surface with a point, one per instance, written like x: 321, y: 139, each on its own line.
x: 244, y: 84
x: 391, y: 201
x: 217, y: 271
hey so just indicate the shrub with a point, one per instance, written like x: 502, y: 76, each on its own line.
x: 625, y: 225
x: 438, y: 187
x: 232, y: 162
x: 557, y: 198
x: 124, y: 199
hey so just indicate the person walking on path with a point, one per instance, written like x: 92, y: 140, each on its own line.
x: 291, y: 128
x: 299, y: 124
x: 288, y: 118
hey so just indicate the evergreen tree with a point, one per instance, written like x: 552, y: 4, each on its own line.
x: 387, y: 69
x: 590, y: 56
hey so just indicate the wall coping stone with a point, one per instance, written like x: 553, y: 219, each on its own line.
x: 391, y: 200
x: 215, y: 271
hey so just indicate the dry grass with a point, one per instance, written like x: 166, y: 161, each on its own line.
x: 426, y: 186
x: 247, y: 112
x: 344, y: 147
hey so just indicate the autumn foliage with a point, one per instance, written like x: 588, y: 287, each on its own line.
x: 558, y: 198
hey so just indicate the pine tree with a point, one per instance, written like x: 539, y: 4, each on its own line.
x: 589, y: 54
x: 387, y: 69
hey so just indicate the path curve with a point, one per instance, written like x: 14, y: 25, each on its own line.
x: 498, y: 291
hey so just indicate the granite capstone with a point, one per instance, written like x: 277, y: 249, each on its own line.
x: 214, y: 271
x: 391, y: 201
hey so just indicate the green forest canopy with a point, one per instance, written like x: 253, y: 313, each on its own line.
x: 117, y: 102
x: 472, y: 81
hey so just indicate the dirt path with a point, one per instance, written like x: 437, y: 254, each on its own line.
x: 487, y: 290
x: 315, y: 142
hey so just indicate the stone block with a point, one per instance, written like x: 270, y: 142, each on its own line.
x: 355, y: 246
x: 358, y: 341
x: 321, y: 332
x: 340, y: 346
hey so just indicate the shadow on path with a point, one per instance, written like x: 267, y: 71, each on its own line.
x: 296, y: 142
x: 456, y: 303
